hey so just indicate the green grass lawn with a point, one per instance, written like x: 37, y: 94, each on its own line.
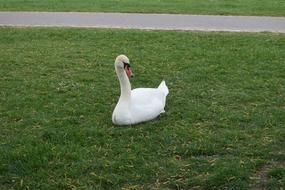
x: 216, y: 7
x: 224, y: 119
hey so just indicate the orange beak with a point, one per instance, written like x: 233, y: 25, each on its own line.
x: 129, y: 71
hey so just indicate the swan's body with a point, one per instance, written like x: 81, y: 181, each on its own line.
x: 137, y: 105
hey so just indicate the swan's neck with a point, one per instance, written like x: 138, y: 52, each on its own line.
x: 125, y: 85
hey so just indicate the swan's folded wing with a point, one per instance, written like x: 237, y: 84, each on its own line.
x: 146, y: 95
x: 146, y: 104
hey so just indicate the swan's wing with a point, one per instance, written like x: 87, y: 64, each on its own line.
x: 145, y: 95
x: 147, y: 103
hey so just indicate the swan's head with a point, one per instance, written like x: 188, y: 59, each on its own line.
x: 122, y: 63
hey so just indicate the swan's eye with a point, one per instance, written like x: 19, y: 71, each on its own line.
x: 126, y: 65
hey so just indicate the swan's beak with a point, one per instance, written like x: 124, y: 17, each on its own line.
x: 129, y: 71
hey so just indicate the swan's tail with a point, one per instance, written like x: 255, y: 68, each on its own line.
x: 163, y: 88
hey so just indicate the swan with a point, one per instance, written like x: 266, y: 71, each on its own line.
x: 140, y: 104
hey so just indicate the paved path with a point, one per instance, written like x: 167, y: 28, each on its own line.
x: 144, y: 21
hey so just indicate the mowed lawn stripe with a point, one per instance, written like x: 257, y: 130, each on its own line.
x: 213, y: 7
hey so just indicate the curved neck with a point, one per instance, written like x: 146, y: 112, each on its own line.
x: 124, y: 84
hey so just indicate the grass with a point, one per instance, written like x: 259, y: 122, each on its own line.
x: 224, y: 118
x: 277, y: 178
x: 216, y: 7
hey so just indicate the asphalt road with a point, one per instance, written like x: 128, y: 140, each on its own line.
x: 144, y: 21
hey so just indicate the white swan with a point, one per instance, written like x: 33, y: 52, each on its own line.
x: 137, y: 105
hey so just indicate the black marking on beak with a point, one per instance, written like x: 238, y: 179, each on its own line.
x: 126, y: 65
